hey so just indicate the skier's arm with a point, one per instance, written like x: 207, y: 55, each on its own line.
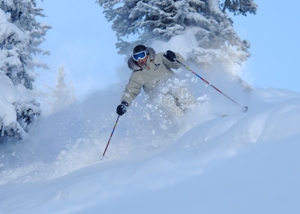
x: 132, y: 89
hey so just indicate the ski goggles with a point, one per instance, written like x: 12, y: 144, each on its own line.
x: 139, y: 55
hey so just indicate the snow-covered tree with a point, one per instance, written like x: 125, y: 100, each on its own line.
x: 20, y: 36
x: 21, y: 44
x: 18, y: 109
x: 152, y: 20
x: 239, y: 6
x: 63, y: 93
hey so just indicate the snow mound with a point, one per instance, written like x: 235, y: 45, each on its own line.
x: 236, y: 161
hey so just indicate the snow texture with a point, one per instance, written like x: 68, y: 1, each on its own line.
x: 207, y: 163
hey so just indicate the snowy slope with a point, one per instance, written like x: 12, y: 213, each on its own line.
x: 241, y: 163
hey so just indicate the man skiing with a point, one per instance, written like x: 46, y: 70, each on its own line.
x: 153, y: 72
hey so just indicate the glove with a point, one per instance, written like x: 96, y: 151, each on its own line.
x: 122, y: 108
x: 170, y: 55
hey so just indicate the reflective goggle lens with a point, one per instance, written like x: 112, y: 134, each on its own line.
x: 139, y: 55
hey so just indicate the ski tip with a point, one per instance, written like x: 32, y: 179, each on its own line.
x: 245, y: 109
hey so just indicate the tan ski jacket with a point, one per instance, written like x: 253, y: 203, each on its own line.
x: 157, y: 71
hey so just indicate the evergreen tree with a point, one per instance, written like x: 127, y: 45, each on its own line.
x: 163, y: 19
x: 20, y: 36
x: 239, y: 6
x: 23, y: 13
x: 63, y: 93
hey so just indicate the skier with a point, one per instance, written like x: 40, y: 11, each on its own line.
x: 153, y: 72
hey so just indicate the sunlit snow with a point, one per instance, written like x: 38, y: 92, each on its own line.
x: 215, y: 160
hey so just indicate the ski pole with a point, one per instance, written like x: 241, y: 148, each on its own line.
x: 110, y: 137
x: 244, y: 109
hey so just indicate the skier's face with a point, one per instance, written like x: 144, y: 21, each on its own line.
x: 142, y: 62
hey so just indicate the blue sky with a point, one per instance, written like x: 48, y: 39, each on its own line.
x: 274, y: 36
x: 82, y: 40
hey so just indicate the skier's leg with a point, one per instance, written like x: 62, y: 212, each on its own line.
x: 184, y: 97
x: 169, y: 105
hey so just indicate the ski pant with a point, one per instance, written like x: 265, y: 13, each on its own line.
x: 175, y: 101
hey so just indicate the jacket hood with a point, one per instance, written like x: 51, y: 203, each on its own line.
x: 133, y: 64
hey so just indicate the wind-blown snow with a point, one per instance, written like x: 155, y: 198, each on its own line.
x: 239, y: 163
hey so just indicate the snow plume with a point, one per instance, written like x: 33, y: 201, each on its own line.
x: 76, y: 136
x: 247, y: 157
x: 208, y: 60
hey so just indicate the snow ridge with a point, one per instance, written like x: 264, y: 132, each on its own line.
x: 247, y: 156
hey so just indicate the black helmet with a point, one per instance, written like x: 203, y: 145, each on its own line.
x: 139, y: 48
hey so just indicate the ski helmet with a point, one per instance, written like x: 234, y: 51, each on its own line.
x: 139, y: 48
